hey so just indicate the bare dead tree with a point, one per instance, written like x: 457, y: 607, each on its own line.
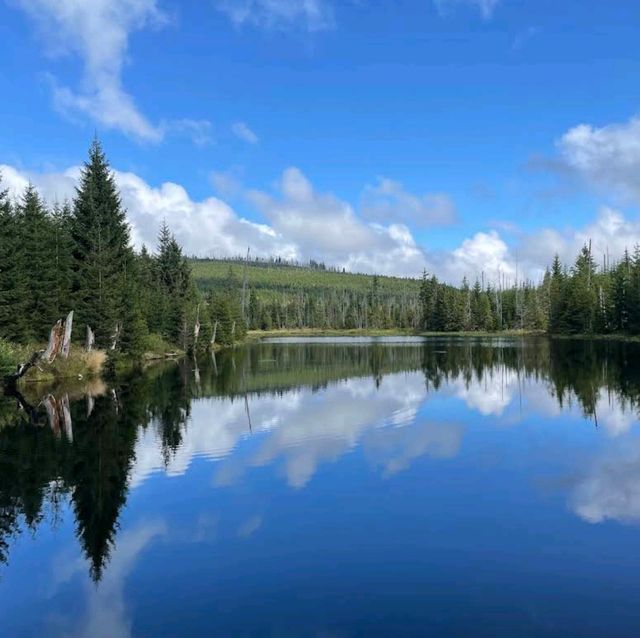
x: 114, y: 337
x: 90, y: 340
x: 66, y: 338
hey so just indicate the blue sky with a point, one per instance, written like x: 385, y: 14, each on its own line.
x: 457, y: 135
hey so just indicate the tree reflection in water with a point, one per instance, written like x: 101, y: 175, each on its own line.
x: 80, y: 443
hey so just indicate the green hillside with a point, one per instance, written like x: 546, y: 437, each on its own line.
x: 268, y: 278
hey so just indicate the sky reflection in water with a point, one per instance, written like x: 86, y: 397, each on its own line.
x: 349, y: 488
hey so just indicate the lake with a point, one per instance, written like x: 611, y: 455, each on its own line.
x: 330, y: 487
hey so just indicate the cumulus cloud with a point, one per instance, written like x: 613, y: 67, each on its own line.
x: 608, y: 156
x: 243, y: 132
x: 486, y: 7
x: 327, y: 229
x: 483, y: 253
x: 388, y: 199
x: 297, y: 222
x: 98, y: 33
x: 207, y: 227
x: 312, y: 15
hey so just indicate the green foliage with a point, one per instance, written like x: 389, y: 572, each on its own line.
x: 35, y: 229
x: 13, y: 323
x: 78, y: 256
x: 102, y: 254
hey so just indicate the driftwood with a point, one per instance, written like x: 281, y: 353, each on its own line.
x: 90, y: 340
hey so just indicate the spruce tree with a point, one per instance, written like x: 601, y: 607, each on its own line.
x: 12, y: 274
x: 101, y: 251
x: 61, y: 224
x: 35, y: 231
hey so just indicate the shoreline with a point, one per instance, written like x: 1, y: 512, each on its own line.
x: 257, y: 335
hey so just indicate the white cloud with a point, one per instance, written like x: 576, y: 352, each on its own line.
x: 301, y: 223
x: 54, y: 186
x: 388, y: 199
x: 312, y: 15
x: 605, y: 157
x: 98, y: 33
x: 484, y: 252
x: 327, y: 229
x: 243, y: 132
x: 207, y: 227
x: 486, y: 7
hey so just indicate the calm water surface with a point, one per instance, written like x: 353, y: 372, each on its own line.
x: 330, y: 488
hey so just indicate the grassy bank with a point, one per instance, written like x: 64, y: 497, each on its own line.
x: 80, y: 365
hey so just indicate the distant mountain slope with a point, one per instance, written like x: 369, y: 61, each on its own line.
x: 268, y: 278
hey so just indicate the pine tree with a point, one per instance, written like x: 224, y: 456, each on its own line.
x: 101, y: 251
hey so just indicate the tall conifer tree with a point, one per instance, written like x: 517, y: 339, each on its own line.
x: 12, y: 274
x: 35, y: 230
x: 101, y: 252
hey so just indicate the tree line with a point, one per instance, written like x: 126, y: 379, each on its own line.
x: 78, y: 255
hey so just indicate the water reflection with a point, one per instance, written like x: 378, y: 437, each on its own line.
x: 298, y: 408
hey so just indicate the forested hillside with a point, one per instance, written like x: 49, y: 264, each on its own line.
x: 580, y: 298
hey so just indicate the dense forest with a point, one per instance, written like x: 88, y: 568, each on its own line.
x: 78, y: 256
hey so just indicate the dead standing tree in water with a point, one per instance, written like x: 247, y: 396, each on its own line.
x: 59, y: 344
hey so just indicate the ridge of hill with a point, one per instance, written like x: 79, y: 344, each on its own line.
x: 271, y: 277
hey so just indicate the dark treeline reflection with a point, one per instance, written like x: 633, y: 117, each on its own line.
x: 77, y: 445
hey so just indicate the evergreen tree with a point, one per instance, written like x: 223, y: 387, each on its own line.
x: 13, y: 319
x: 61, y: 224
x: 101, y: 252
x: 35, y: 231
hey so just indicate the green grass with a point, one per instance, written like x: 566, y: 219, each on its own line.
x: 10, y: 356
x: 80, y: 365
x: 269, y: 279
